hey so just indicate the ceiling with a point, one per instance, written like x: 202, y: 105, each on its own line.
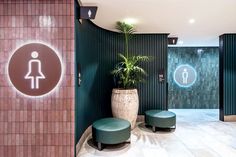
x: 210, y: 18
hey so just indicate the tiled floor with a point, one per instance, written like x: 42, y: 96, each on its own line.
x: 199, y: 133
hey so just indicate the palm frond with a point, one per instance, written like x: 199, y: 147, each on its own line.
x: 140, y: 70
x: 122, y: 57
x: 128, y: 72
x: 123, y: 27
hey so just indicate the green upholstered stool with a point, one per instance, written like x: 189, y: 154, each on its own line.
x: 160, y: 119
x: 110, y: 131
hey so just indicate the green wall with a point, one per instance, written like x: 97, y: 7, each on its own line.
x: 204, y: 94
x: 96, y: 52
x: 227, y: 75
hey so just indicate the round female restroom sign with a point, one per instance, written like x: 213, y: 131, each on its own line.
x: 185, y: 75
x: 35, y: 69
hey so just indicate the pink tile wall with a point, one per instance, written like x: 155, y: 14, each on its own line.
x: 42, y: 127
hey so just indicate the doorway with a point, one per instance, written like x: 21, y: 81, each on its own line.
x: 193, y: 79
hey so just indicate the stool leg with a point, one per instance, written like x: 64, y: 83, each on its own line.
x: 99, y: 146
x: 173, y: 127
x: 128, y: 141
x: 153, y: 128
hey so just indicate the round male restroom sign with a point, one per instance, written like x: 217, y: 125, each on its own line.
x: 35, y: 69
x: 185, y: 75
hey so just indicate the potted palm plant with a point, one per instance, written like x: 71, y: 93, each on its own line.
x: 127, y: 73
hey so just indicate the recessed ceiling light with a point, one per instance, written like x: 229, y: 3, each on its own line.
x: 130, y: 21
x: 199, y: 50
x: 191, y: 21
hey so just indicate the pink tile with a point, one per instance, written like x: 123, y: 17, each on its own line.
x: 1, y: 140
x: 37, y: 10
x: 25, y: 139
x: 52, y: 10
x: 33, y: 9
x: 56, y: 151
x: 29, y: 7
x: 13, y: 9
x: 56, y: 138
x: 29, y: 116
x: 64, y: 9
x: 33, y: 151
x: 45, y: 116
x: 17, y: 139
x: 33, y: 131
x: 17, y: 127
x: 25, y: 151
x: 71, y: 9
x: 41, y: 116
x: 37, y: 149
x: 1, y: 9
x: 25, y: 113
x: 7, y: 127
x: 60, y: 6
x: 21, y: 124
x: 32, y: 123
x: 37, y: 139
x: 21, y: 151
x: 41, y: 127
x: 33, y: 116
x: 52, y: 151
x: 41, y: 137
x: 13, y: 127
x: 37, y: 116
x: 29, y: 140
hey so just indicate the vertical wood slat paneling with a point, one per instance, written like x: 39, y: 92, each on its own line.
x: 152, y: 93
x: 96, y: 46
x: 228, y: 74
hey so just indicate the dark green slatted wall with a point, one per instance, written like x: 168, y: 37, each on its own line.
x: 228, y: 74
x: 96, y: 51
x: 152, y: 94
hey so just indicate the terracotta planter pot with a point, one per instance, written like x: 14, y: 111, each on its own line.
x: 124, y: 104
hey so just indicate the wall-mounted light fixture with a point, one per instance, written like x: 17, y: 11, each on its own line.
x: 172, y: 40
x: 87, y: 12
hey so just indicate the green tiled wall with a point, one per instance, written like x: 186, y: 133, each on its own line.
x: 204, y: 94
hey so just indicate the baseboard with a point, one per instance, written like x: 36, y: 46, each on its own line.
x: 83, y: 138
x: 230, y: 118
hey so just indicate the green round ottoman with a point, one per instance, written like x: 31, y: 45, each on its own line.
x: 160, y: 119
x: 110, y: 131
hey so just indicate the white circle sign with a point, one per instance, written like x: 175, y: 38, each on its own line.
x: 185, y: 75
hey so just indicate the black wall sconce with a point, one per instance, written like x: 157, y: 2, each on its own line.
x: 172, y: 40
x: 87, y: 12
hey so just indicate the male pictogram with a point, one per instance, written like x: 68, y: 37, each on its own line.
x: 34, y: 71
x: 185, y: 76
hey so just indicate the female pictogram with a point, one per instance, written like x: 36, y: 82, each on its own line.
x: 34, y: 71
